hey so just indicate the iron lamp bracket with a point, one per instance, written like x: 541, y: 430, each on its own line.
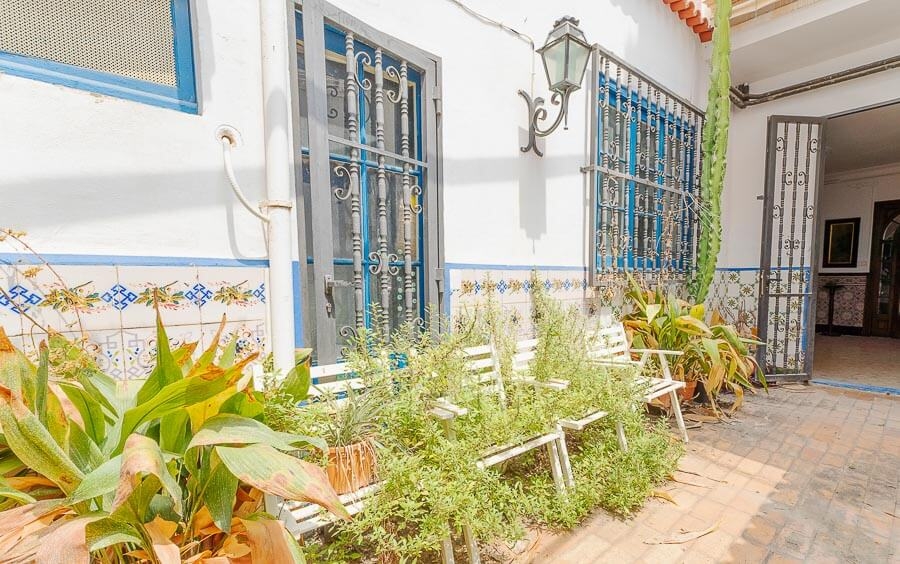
x: 538, y: 113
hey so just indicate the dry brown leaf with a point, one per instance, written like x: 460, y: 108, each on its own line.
x: 684, y: 536
x: 66, y: 544
x: 700, y: 475
x: 267, y: 541
x: 700, y: 418
x: 663, y: 495
x: 161, y: 532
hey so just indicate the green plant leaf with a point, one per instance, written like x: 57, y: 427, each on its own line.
x: 691, y: 325
x: 229, y: 353
x: 652, y: 311
x: 12, y: 493
x: 231, y: 429
x: 102, y: 480
x: 83, y: 451
x: 175, y: 396
x: 174, y: 431
x: 246, y: 403
x: 33, y: 444
x: 90, y: 410
x: 107, y: 532
x: 296, y: 383
x: 42, y: 384
x: 142, y: 457
x: 219, y: 487
x: 166, y: 370
x: 274, y: 472
x: 101, y: 388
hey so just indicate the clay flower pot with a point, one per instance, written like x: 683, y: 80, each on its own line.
x: 684, y: 394
x: 352, y: 467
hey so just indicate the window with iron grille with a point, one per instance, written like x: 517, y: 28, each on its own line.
x: 137, y: 50
x: 645, y: 174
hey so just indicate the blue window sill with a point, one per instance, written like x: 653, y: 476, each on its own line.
x: 98, y: 82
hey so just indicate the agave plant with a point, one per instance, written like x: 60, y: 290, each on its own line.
x: 715, y: 354
x: 169, y: 469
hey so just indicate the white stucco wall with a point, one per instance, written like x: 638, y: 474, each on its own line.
x: 90, y: 174
x: 503, y: 206
x: 745, y: 178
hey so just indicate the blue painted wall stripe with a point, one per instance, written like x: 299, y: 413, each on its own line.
x: 860, y: 387
x: 127, y: 260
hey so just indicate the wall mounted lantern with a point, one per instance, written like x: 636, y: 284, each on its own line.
x: 565, y: 56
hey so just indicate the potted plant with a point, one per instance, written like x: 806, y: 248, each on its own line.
x: 714, y: 355
x: 350, y: 427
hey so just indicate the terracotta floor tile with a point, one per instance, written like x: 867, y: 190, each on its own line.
x: 802, y: 482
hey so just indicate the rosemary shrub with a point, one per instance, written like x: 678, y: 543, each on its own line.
x: 431, y: 485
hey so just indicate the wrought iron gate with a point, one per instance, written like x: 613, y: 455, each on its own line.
x: 369, y: 107
x: 786, y: 317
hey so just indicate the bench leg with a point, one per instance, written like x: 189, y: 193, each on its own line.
x: 553, y: 452
x: 564, y: 458
x: 471, y: 545
x: 447, y: 551
x: 678, y: 416
x: 620, y: 433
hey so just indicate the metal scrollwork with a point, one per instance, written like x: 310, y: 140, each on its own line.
x: 342, y: 192
x: 365, y: 83
x: 415, y: 192
x: 395, y: 74
x: 334, y: 92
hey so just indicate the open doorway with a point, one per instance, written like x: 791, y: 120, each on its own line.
x: 857, y: 338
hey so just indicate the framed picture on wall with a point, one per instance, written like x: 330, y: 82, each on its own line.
x: 841, y: 243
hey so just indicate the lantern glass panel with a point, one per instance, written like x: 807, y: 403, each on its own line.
x: 554, y: 57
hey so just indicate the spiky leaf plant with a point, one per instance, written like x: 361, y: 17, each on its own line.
x: 162, y: 470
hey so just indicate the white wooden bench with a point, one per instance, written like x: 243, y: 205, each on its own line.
x: 301, y: 518
x: 483, y: 366
x: 609, y: 346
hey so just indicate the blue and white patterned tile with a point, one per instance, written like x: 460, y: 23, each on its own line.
x: 53, y: 301
x: 250, y: 336
x: 140, y: 287
x: 10, y: 318
x: 105, y: 346
x: 238, y: 293
x: 139, y: 346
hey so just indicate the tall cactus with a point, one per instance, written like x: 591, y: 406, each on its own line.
x: 714, y: 147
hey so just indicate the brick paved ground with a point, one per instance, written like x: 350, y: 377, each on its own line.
x: 810, y: 475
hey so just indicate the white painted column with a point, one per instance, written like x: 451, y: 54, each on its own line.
x: 279, y: 162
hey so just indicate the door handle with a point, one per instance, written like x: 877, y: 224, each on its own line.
x: 330, y: 285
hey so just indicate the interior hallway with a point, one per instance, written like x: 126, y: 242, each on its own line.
x: 871, y: 361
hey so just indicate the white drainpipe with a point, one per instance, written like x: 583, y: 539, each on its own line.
x: 279, y: 162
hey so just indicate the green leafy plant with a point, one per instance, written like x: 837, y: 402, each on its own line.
x: 430, y: 484
x: 159, y: 470
x: 713, y: 354
x: 715, y: 149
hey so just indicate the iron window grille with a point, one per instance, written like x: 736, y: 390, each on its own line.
x: 644, y: 175
x: 141, y: 51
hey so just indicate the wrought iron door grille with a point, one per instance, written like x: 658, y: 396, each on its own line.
x: 645, y: 175
x: 786, y: 312
x: 377, y: 187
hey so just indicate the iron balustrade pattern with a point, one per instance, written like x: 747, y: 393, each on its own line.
x: 645, y: 175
